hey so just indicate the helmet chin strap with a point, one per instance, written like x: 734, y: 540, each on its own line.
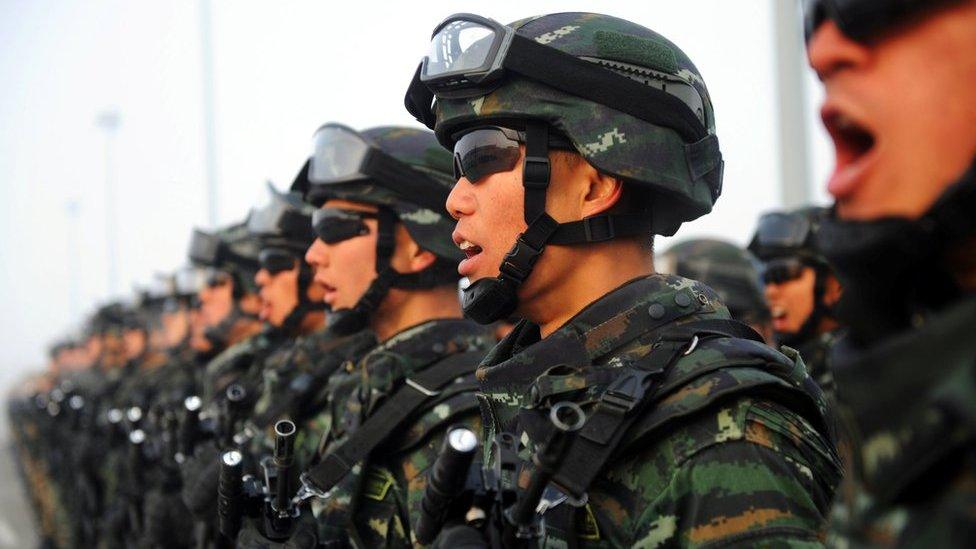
x: 894, y: 269
x: 293, y: 321
x: 491, y: 299
x: 356, y: 318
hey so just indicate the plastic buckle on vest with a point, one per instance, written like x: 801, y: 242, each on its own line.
x: 625, y: 393
x: 599, y: 228
x: 519, y: 260
x: 535, y: 174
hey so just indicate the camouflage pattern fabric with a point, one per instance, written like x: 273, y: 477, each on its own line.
x: 816, y: 355
x: 375, y: 504
x: 239, y: 363
x: 909, y: 406
x: 731, y: 451
x: 615, y: 143
x: 726, y: 268
x: 296, y: 387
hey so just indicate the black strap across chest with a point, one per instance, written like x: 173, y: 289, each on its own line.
x: 417, y: 391
x: 620, y: 405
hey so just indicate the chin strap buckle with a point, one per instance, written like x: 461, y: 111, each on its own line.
x: 519, y: 260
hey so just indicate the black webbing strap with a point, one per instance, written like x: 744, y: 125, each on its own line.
x: 705, y: 161
x: 535, y: 169
x: 401, y: 406
x: 601, y: 228
x: 620, y: 405
x: 581, y: 78
x: 404, y: 180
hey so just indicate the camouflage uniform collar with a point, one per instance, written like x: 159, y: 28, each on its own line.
x: 908, y: 417
x: 614, y: 320
x: 418, y: 346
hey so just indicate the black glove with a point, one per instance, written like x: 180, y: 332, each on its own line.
x: 168, y: 523
x: 303, y: 537
x: 460, y: 537
x: 200, y: 476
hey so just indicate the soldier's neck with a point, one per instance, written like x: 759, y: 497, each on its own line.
x: 402, y: 309
x: 311, y: 322
x: 596, y: 272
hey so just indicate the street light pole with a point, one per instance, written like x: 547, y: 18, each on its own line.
x: 72, y: 210
x: 209, y: 116
x: 109, y: 122
x: 790, y: 99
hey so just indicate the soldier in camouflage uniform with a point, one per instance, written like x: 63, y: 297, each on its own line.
x: 578, y: 136
x: 800, y: 287
x: 901, y: 110
x: 727, y: 269
x: 385, y: 257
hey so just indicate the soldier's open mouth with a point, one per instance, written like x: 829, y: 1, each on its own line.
x: 470, y: 250
x: 777, y: 312
x: 854, y: 143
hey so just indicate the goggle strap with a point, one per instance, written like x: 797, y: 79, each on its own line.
x: 569, y: 74
x: 419, y: 100
x: 401, y: 178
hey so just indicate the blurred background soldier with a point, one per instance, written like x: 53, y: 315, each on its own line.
x: 800, y: 287
x: 727, y: 269
x: 900, y: 108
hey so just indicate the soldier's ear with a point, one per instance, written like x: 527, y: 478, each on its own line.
x: 603, y: 192
x: 409, y: 257
x: 832, y: 291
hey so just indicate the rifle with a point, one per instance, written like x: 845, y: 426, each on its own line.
x: 280, y: 512
x: 233, y: 413
x: 240, y: 496
x: 190, y: 432
x: 504, y: 515
x: 445, y: 481
x: 230, y: 496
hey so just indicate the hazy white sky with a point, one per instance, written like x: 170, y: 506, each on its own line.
x: 282, y: 68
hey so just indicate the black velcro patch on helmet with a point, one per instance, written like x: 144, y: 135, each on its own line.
x: 627, y: 48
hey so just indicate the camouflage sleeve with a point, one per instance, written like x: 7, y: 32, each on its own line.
x: 751, y: 472
x: 392, y: 495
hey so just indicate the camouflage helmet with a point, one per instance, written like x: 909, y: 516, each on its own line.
x: 414, y: 185
x: 284, y: 222
x: 676, y: 157
x: 789, y: 234
x: 726, y: 268
x: 232, y: 249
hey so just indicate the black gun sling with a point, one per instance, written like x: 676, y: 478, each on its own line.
x: 417, y: 391
x: 620, y: 405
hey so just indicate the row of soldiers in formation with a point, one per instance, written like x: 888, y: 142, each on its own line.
x: 317, y: 379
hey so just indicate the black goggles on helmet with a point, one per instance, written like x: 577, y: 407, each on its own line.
x: 206, y: 248
x: 483, y: 151
x: 343, y: 155
x: 778, y: 271
x: 281, y: 218
x: 782, y: 231
x: 217, y: 278
x: 469, y: 55
x: 276, y: 260
x: 334, y: 225
x: 862, y: 20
